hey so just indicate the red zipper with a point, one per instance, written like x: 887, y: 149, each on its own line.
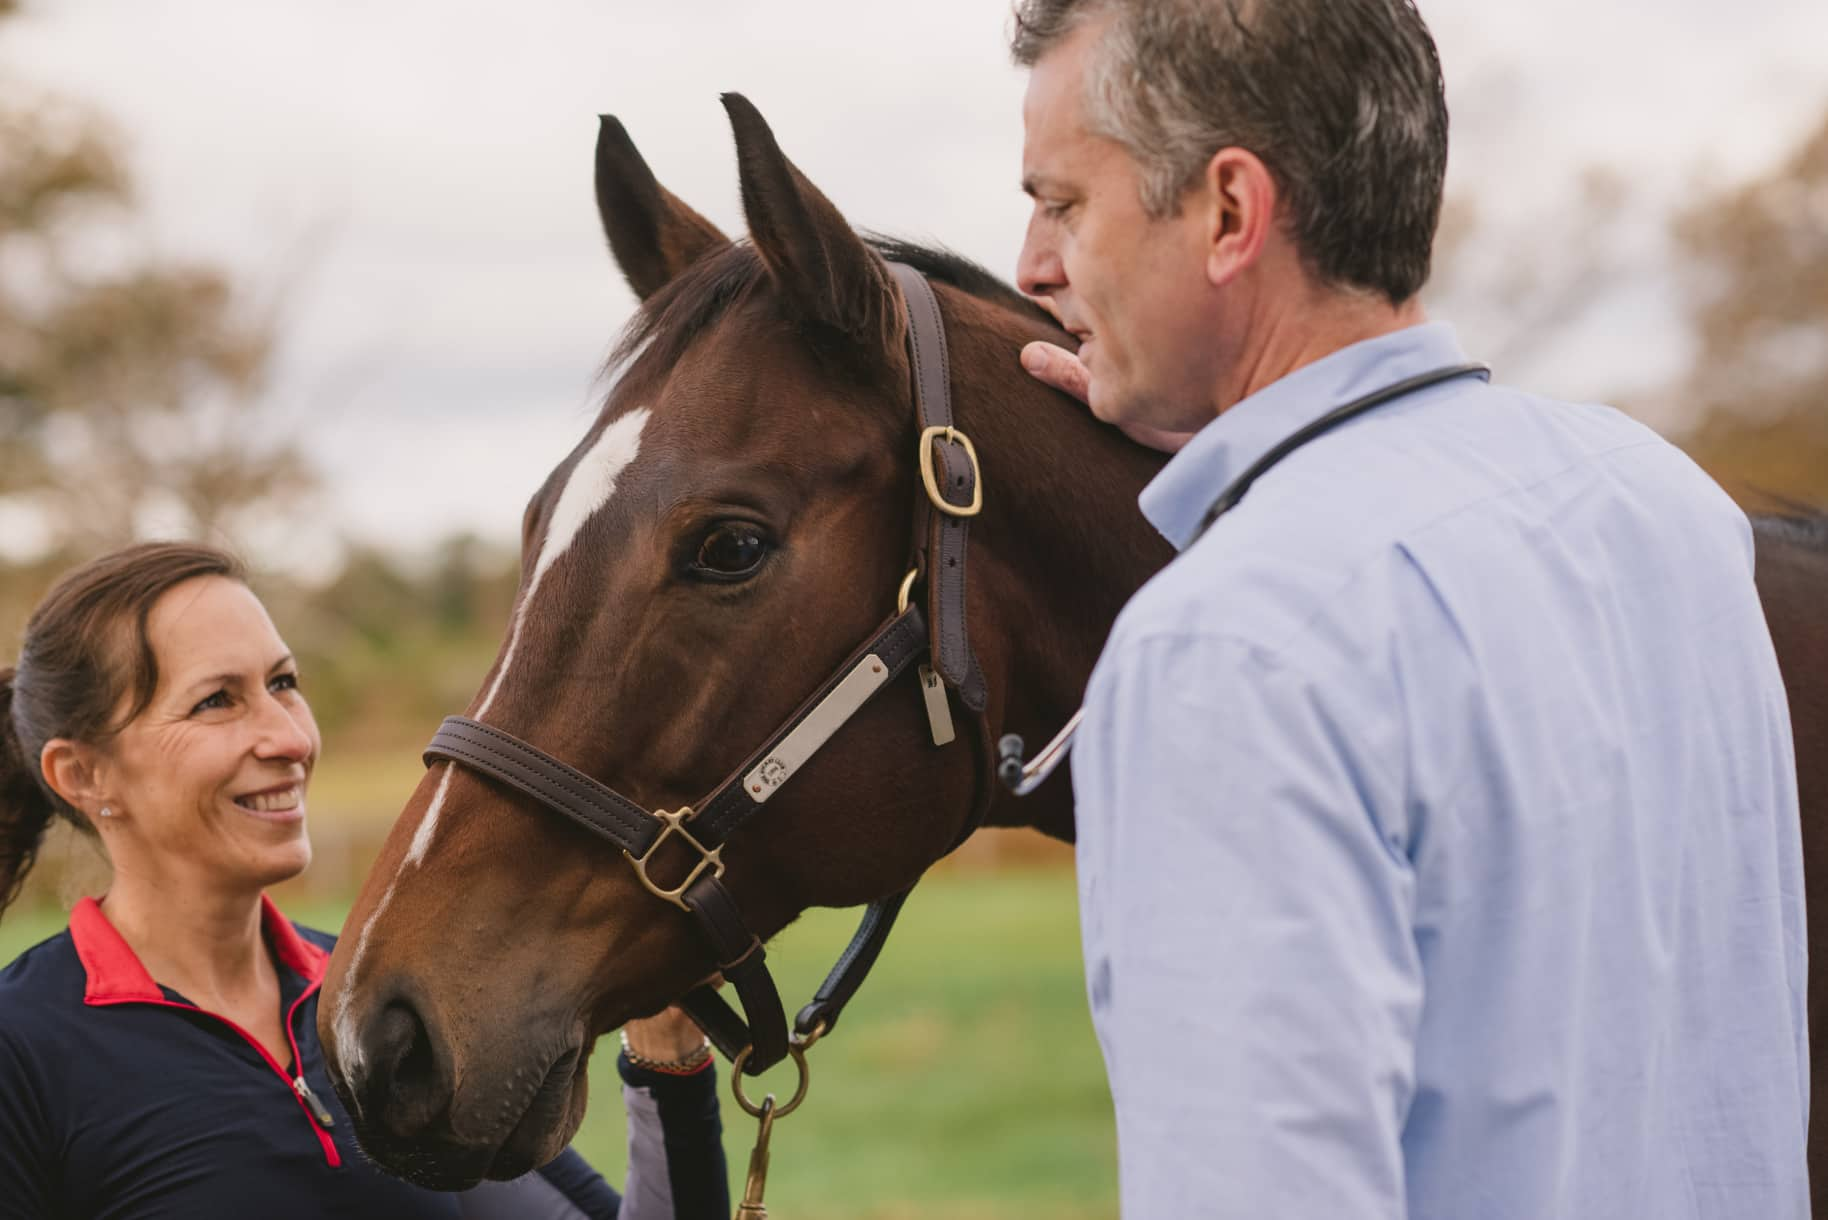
x: 295, y: 1085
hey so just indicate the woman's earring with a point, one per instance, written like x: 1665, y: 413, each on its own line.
x: 107, y: 812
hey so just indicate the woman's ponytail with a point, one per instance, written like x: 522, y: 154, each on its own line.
x: 25, y: 810
x: 86, y: 668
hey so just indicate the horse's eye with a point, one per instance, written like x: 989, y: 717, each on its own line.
x: 731, y: 551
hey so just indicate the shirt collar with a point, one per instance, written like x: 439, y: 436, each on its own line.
x: 1176, y: 500
x: 114, y: 973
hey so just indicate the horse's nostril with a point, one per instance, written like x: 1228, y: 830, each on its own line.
x: 409, y: 1085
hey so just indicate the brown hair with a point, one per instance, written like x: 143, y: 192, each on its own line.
x: 85, y: 653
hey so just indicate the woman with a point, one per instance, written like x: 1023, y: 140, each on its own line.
x: 160, y: 1057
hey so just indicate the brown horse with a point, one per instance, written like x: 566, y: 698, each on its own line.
x: 1793, y: 585
x: 734, y: 522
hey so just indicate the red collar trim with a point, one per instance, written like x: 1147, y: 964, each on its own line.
x: 113, y: 969
x: 114, y: 973
x: 295, y: 953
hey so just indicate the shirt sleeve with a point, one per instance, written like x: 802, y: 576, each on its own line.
x: 582, y: 1186
x: 676, y: 1167
x: 566, y: 1188
x: 1248, y: 921
x: 26, y: 1171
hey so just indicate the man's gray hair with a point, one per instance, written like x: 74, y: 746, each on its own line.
x: 1341, y: 99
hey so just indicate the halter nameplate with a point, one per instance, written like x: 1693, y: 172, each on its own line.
x: 766, y: 778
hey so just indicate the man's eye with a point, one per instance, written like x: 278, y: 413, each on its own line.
x: 732, y: 551
x: 1054, y: 211
x: 213, y: 703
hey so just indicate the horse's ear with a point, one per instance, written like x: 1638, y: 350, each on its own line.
x: 812, y: 254
x: 653, y: 235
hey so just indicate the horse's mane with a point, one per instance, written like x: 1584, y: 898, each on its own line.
x: 672, y: 318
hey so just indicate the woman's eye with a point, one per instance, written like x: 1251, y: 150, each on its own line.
x: 730, y: 552
x: 218, y: 700
x: 283, y: 682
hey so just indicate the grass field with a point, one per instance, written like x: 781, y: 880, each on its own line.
x: 964, y: 1081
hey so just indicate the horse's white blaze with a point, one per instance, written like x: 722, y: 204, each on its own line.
x: 587, y: 490
x: 348, y: 1047
x: 591, y: 483
x: 422, y: 837
x: 347, y: 1043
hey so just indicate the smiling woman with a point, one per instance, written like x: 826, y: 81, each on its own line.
x: 156, y: 707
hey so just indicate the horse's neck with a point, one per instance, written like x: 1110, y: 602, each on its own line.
x: 1792, y: 567
x: 1059, y: 549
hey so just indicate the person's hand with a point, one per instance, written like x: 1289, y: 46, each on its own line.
x: 1053, y: 365
x: 667, y: 1037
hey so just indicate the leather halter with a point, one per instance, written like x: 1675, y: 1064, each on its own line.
x: 952, y: 494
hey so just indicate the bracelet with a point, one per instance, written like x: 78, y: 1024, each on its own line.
x: 692, y: 1063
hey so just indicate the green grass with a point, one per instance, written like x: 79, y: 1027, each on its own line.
x: 963, y: 1082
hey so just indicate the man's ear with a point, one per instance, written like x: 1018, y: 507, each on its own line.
x: 74, y: 772
x: 1239, y: 199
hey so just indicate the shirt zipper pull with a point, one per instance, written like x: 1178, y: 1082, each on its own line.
x: 317, y: 1108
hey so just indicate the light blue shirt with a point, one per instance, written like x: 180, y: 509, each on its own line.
x: 1438, y: 840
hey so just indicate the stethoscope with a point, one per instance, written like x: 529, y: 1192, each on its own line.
x: 1023, y: 778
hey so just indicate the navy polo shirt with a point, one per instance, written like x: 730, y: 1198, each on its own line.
x: 119, y: 1097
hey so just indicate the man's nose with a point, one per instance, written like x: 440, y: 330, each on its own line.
x: 1039, y: 272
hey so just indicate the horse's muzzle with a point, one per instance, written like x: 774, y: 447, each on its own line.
x: 399, y: 1086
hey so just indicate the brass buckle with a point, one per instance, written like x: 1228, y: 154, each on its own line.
x: 709, y: 857
x: 930, y: 477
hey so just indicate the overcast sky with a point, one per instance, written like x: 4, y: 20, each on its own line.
x: 420, y: 173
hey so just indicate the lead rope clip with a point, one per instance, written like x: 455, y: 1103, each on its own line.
x: 752, y: 1207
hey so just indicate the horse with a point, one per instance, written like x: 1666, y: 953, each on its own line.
x: 734, y: 520
x: 737, y: 517
x: 1792, y: 574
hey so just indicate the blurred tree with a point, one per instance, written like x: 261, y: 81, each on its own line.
x: 131, y: 396
x: 1749, y: 264
x: 1757, y: 263
x: 391, y: 645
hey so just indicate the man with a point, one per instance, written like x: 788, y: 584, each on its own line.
x: 1438, y: 839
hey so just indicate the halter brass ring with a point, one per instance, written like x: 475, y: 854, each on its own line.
x: 805, y: 1041
x: 708, y: 857
x: 753, y: 1110
x: 907, y: 587
x: 930, y: 477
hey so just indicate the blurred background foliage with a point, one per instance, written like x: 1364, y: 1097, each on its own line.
x: 133, y: 396
x: 1755, y: 259
x: 137, y: 399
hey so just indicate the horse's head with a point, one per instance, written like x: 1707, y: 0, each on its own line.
x: 734, y: 523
